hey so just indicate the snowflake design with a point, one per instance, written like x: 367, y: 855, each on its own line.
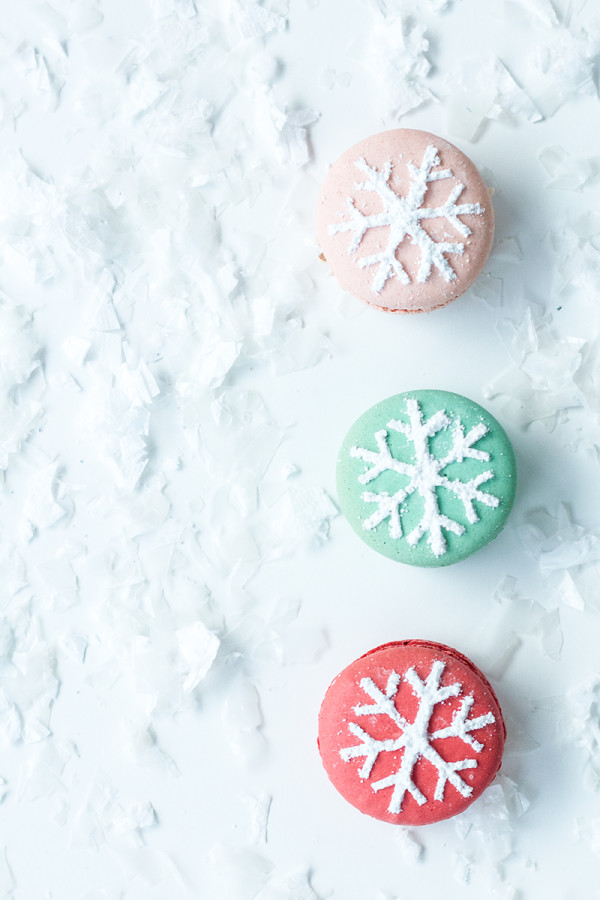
x: 425, y: 476
x: 403, y: 216
x: 414, y: 737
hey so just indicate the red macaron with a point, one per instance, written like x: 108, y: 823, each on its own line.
x: 411, y: 732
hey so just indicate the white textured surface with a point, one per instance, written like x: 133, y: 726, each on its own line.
x: 177, y: 371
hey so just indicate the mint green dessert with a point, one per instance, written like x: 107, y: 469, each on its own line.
x: 426, y: 477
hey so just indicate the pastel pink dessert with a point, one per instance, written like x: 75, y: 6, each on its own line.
x: 405, y: 221
x: 411, y: 732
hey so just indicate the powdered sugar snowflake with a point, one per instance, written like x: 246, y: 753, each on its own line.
x: 414, y: 738
x: 403, y: 216
x: 425, y: 476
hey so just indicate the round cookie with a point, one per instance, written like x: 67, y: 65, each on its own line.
x: 411, y: 733
x: 405, y: 221
x: 426, y: 477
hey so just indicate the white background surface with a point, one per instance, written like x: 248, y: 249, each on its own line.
x: 160, y: 276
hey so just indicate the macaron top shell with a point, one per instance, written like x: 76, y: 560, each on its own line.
x: 411, y: 732
x: 405, y: 221
x: 426, y: 477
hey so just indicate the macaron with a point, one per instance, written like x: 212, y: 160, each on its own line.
x: 411, y: 733
x: 405, y: 221
x: 426, y: 477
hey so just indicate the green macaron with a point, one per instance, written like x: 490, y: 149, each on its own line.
x: 426, y: 477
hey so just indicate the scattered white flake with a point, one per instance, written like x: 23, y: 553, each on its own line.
x: 162, y: 8
x: 74, y: 647
x: 59, y: 580
x: 20, y: 407
x: 559, y: 543
x: 508, y: 250
x: 462, y: 868
x: 241, y: 709
x: 41, y: 507
x: 551, y: 634
x: 95, y: 894
x: 588, y: 832
x: 581, y: 726
x: 490, y: 289
x: 143, y: 745
x: 44, y: 71
x: 510, y: 99
x: 395, y: 59
x: 291, y: 127
x: 42, y: 774
x: 198, y: 648
x: 259, y: 808
x: 577, y: 269
x: 289, y: 470
x: 302, y: 517
x: 151, y: 867
x: 35, y: 731
x: 330, y: 79
x: 235, y: 873
x: 7, y: 880
x: 542, y: 384
x: 510, y: 621
x: 411, y: 849
x: 106, y: 816
x: 294, y: 886
x: 568, y: 556
x: 487, y: 827
x: 76, y: 349
x: 494, y: 96
x: 566, y: 62
x: 213, y: 367
x: 255, y: 19
x: 80, y: 17
x: 567, y: 172
x: 543, y: 9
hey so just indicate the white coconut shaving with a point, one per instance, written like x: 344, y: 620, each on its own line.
x: 511, y: 621
x: 235, y: 872
x: 566, y: 63
x: 283, y: 886
x: 502, y: 804
x: 568, y: 556
x: 543, y: 9
x: 395, y: 56
x: 542, y: 383
x: 581, y: 726
x: 21, y: 384
x: 255, y: 19
x: 471, y: 104
x: 566, y: 172
x: 411, y: 848
x: 577, y: 269
x: 490, y: 289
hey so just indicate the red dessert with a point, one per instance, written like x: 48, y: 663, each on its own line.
x: 411, y: 732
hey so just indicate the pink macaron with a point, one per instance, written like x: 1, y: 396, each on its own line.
x: 405, y: 221
x: 411, y: 732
